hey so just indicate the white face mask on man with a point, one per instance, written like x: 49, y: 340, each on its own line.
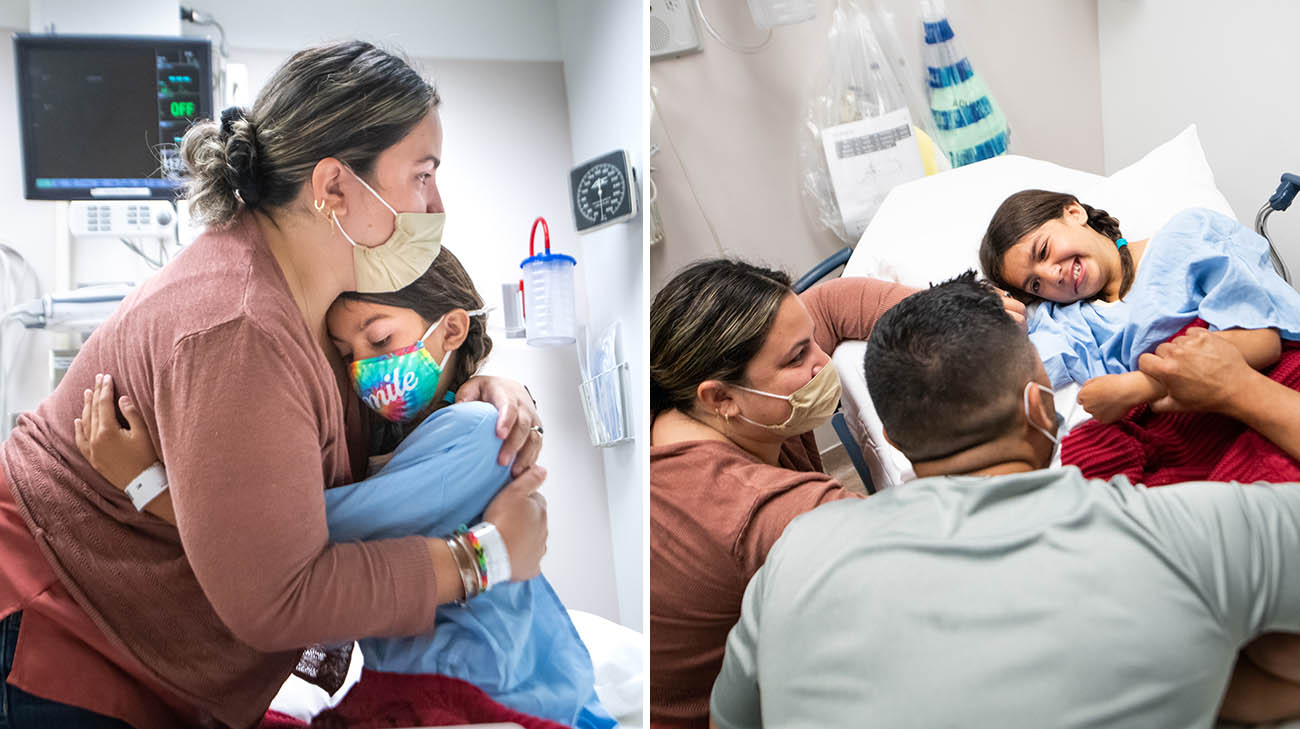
x: 404, y: 257
x: 1055, y: 438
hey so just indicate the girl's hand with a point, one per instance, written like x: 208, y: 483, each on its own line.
x: 1202, y: 372
x: 519, y: 513
x: 119, y: 454
x: 1110, y: 397
x: 1014, y: 307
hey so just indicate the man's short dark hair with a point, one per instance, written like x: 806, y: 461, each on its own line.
x: 945, y: 368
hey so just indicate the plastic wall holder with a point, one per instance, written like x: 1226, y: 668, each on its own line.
x: 604, y: 402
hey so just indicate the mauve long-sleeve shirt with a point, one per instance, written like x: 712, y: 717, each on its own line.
x: 203, y: 620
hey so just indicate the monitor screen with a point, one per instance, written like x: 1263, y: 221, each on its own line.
x: 102, y: 116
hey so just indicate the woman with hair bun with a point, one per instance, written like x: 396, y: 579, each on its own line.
x: 112, y: 617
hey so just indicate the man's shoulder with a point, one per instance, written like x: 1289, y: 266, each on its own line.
x: 904, y: 507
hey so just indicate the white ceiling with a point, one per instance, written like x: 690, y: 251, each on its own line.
x: 499, y: 30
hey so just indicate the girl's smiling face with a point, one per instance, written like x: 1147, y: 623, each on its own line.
x: 1063, y: 260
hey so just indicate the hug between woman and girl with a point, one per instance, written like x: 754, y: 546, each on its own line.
x: 432, y: 470
x: 320, y: 274
x: 739, y: 375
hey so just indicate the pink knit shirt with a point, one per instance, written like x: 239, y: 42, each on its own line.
x: 248, y: 415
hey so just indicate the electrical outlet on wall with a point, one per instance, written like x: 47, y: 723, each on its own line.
x: 236, y: 89
x: 672, y: 29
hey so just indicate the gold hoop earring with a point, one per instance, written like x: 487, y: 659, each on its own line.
x: 320, y: 206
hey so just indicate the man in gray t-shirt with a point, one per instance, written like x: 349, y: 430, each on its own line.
x: 1008, y: 596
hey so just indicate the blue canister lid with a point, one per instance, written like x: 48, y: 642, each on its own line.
x: 548, y: 256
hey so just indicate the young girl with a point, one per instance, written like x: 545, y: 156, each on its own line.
x: 1107, y: 300
x: 433, y: 469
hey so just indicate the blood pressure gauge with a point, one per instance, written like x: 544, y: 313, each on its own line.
x: 603, y: 192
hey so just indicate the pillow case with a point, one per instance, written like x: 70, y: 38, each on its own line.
x: 929, y: 230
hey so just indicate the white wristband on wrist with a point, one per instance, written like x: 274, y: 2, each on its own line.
x: 146, y: 487
x: 494, y: 553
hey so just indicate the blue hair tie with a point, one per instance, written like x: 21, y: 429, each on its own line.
x: 1120, y: 243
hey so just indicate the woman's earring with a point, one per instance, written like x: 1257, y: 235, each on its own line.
x: 320, y: 207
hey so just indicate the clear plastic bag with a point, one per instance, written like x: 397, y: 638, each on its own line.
x: 859, y: 136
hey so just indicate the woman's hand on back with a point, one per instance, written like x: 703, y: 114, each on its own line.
x: 518, y: 424
x: 119, y: 454
x: 519, y: 513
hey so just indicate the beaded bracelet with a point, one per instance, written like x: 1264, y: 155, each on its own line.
x: 476, y: 549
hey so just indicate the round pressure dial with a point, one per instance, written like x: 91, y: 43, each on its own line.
x: 601, y: 192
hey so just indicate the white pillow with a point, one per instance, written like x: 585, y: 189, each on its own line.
x: 929, y: 230
x: 1170, y: 178
x: 617, y: 654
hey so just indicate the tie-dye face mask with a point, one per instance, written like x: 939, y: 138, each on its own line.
x: 399, y: 385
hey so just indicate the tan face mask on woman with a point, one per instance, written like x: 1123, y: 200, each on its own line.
x: 404, y: 257
x: 810, y: 405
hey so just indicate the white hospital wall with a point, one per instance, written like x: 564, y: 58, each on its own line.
x: 507, y: 154
x: 1227, y: 67
x: 604, y: 71
x: 733, y: 117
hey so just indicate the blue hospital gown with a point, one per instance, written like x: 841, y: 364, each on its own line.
x: 1200, y: 264
x: 515, y: 641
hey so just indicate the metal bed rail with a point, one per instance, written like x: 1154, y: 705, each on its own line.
x: 1280, y: 201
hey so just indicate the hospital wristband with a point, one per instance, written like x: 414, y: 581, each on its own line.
x: 146, y: 487
x: 496, y: 558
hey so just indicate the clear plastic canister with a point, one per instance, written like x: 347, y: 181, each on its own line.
x: 549, y: 300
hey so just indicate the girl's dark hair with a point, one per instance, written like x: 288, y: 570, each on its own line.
x: 348, y: 100
x: 707, y: 323
x: 1023, y: 212
x: 444, y: 287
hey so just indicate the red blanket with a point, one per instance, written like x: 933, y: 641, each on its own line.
x: 1158, y: 449
x: 384, y: 700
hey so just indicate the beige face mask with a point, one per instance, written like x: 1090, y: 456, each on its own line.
x: 810, y: 405
x: 404, y: 257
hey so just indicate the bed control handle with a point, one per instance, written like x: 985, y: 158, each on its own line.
x: 1286, y: 192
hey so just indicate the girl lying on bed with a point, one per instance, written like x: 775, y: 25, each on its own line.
x: 1107, y: 300
x: 408, y: 352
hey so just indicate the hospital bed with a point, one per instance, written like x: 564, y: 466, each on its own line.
x: 617, y: 654
x: 929, y: 230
